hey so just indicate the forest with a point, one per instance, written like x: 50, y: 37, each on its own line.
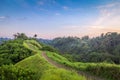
x: 104, y: 48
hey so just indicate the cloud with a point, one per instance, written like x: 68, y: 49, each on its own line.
x: 40, y: 3
x: 3, y: 18
x: 107, y: 21
x: 110, y: 5
x: 42, y: 9
x: 65, y: 7
x: 46, y: 2
x: 23, y: 18
x: 57, y: 14
x: 109, y: 15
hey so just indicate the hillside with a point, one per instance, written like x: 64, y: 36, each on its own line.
x: 100, y: 68
x: 38, y: 64
x: 104, y: 70
x: 33, y: 63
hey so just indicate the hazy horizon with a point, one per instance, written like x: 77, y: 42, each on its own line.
x: 58, y: 18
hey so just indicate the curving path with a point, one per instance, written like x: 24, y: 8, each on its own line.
x: 87, y: 75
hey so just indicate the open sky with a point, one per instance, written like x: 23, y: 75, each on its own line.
x: 58, y: 18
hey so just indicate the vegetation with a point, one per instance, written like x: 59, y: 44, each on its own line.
x: 42, y: 68
x: 32, y: 45
x: 30, y: 67
x: 13, y: 51
x: 61, y: 74
x: 10, y: 72
x: 20, y: 36
x: 100, y: 69
x: 21, y: 59
x: 99, y: 49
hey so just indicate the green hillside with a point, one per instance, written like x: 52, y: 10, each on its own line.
x: 30, y: 62
x: 106, y: 70
x: 42, y: 68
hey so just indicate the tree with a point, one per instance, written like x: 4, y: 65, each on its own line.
x: 20, y: 36
x: 35, y: 36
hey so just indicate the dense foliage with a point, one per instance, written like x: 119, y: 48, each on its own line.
x: 10, y: 72
x: 102, y: 48
x: 13, y: 51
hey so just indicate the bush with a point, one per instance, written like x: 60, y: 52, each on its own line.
x: 9, y: 72
x: 109, y: 72
x: 13, y: 51
x: 48, y: 48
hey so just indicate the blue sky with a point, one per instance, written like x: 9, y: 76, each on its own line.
x: 58, y: 18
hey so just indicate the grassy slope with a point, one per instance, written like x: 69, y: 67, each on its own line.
x: 44, y: 70
x: 109, y: 71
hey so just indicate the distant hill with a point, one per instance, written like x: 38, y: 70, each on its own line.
x: 45, y: 41
x: 3, y: 39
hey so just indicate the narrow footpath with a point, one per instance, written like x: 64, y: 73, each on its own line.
x: 58, y: 65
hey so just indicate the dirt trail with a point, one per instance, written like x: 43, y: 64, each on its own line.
x: 87, y: 75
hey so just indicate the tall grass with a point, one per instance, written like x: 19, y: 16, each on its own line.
x: 61, y: 74
x: 108, y: 71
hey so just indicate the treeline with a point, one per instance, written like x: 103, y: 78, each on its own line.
x: 105, y: 47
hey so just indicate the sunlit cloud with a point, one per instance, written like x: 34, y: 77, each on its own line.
x: 108, y: 20
x: 109, y: 13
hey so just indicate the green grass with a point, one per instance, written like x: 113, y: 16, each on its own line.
x: 35, y: 63
x: 43, y: 69
x: 32, y: 45
x: 106, y: 70
x: 60, y: 74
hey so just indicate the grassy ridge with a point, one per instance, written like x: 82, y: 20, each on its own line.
x: 35, y: 63
x: 32, y: 45
x: 44, y: 70
x: 109, y: 71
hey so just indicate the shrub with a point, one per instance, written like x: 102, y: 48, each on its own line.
x: 109, y: 72
x: 9, y: 72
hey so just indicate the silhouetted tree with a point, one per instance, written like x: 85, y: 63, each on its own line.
x: 20, y: 36
x: 35, y: 36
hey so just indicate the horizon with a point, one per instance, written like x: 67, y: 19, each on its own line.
x: 59, y: 18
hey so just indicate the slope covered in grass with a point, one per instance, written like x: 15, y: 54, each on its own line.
x: 109, y: 71
x: 43, y: 69
x: 32, y: 45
